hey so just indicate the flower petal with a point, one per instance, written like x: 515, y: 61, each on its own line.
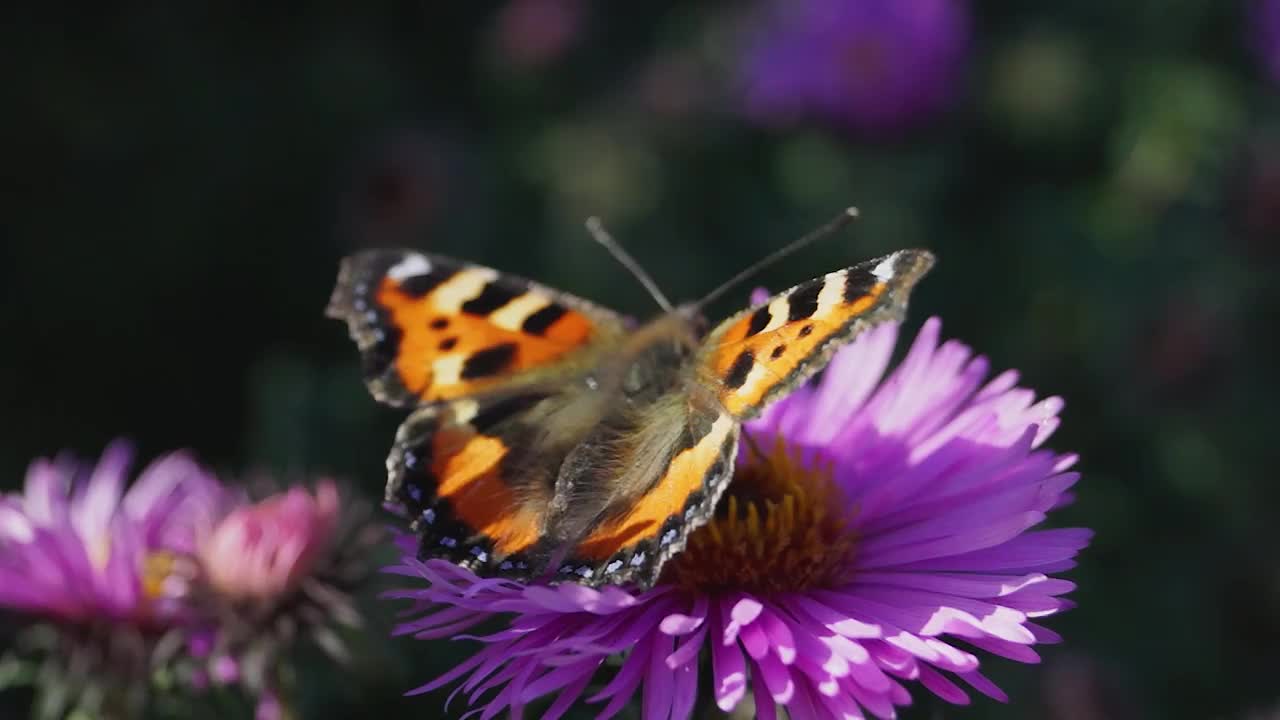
x: 729, y: 672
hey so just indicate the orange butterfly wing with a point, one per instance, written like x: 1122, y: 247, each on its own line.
x: 762, y: 353
x: 432, y: 328
x: 450, y: 470
x: 633, y: 545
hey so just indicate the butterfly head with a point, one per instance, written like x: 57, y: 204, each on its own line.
x: 691, y: 317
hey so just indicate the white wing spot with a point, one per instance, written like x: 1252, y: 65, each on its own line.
x: 410, y: 266
x: 755, y: 377
x: 447, y: 370
x: 884, y: 270
x: 779, y: 309
x: 832, y: 294
x: 512, y: 315
x: 463, y: 286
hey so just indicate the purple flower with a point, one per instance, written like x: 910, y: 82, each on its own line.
x: 882, y: 538
x: 179, y: 572
x: 1267, y: 24
x: 76, y: 547
x: 859, y: 64
x: 99, y: 577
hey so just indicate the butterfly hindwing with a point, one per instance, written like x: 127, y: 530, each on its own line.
x: 762, y: 353
x: 633, y: 544
x: 474, y: 482
x: 432, y: 328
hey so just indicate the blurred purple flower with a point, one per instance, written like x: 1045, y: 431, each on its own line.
x: 76, y: 547
x: 864, y: 65
x: 98, y: 577
x: 886, y: 535
x: 179, y: 572
x: 1267, y: 24
x: 530, y: 34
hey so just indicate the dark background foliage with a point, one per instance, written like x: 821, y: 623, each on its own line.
x: 1103, y: 192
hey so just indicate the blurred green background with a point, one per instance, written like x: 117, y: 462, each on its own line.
x: 1100, y: 180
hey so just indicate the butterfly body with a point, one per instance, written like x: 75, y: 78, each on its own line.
x: 553, y: 438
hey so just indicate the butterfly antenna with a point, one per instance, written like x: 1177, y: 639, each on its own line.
x: 832, y: 227
x: 602, y: 236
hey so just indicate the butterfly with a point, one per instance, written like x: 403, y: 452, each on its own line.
x: 553, y: 438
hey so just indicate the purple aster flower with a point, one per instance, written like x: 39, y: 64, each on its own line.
x: 98, y: 576
x: 531, y: 34
x: 879, y: 543
x: 1266, y: 22
x: 859, y: 64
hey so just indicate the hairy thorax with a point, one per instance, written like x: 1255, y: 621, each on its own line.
x: 632, y: 414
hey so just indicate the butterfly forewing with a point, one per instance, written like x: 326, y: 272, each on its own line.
x: 762, y: 353
x: 431, y: 328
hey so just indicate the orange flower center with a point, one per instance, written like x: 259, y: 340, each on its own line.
x: 157, y: 568
x: 782, y: 526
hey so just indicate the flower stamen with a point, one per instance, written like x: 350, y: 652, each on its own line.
x: 783, y: 526
x: 157, y: 569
